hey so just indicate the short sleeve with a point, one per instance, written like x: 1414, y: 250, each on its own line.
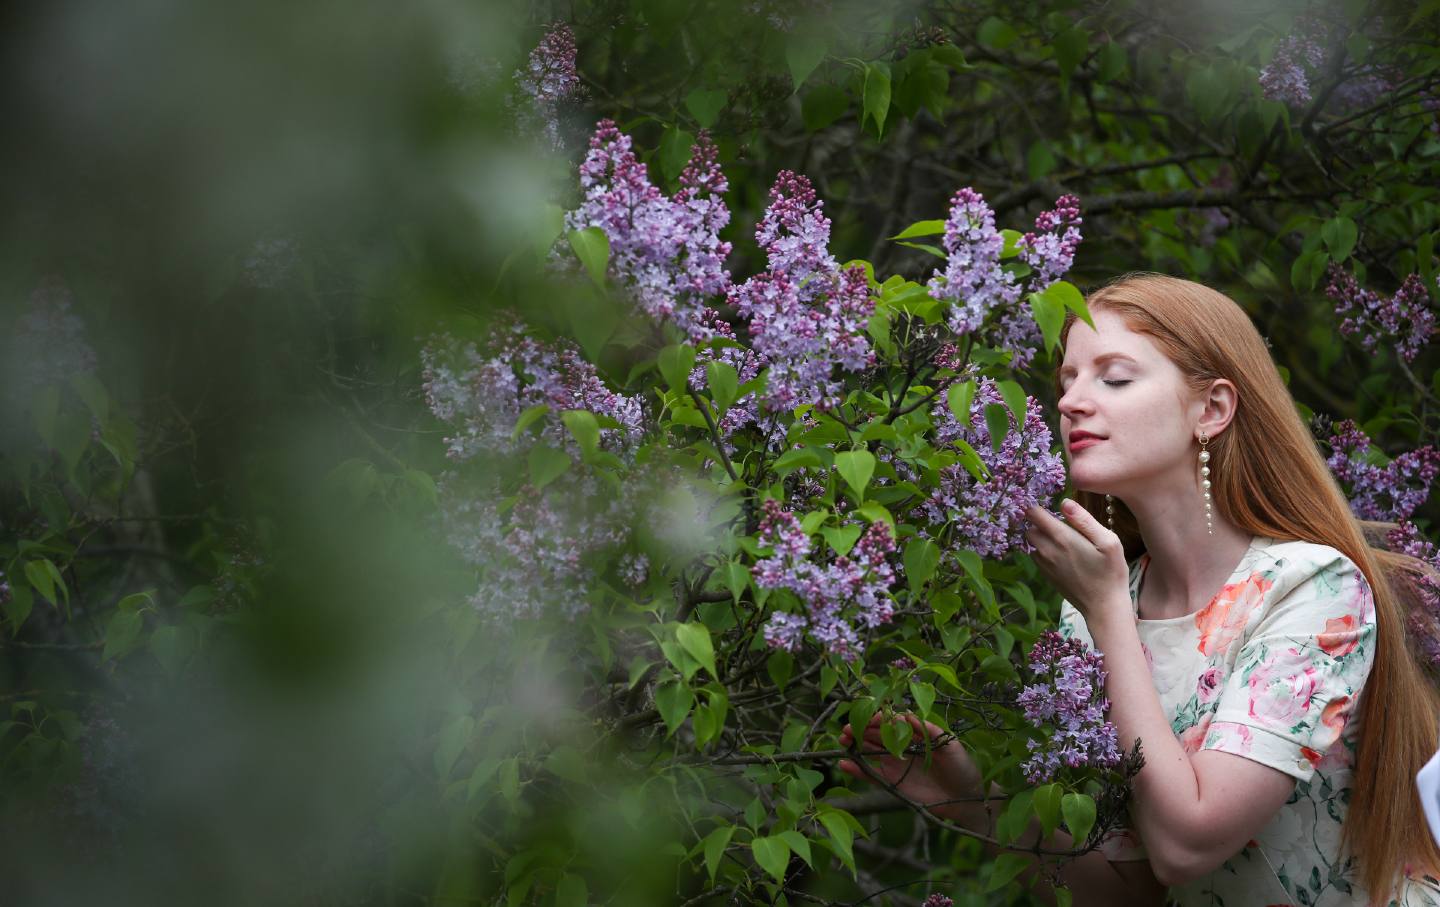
x: 1300, y: 669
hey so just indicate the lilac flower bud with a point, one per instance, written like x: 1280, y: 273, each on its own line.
x: 549, y: 79
x: 938, y: 900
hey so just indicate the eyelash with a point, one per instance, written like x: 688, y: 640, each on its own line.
x: 1117, y: 382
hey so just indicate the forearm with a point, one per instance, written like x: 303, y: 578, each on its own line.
x: 1167, y: 805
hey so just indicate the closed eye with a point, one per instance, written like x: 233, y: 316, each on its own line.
x: 1117, y: 382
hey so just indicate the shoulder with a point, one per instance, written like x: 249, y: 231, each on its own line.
x: 1296, y: 566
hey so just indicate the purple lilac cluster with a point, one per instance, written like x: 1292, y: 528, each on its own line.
x: 48, y: 345
x: 549, y: 79
x: 807, y: 315
x: 975, y: 283
x: 1424, y: 620
x: 480, y: 391
x: 853, y: 587
x: 542, y: 547
x: 1298, y: 57
x: 938, y: 900
x: 634, y: 569
x: 665, y: 251
x: 989, y: 516
x: 1389, y: 493
x: 1405, y: 318
x: 1068, y: 693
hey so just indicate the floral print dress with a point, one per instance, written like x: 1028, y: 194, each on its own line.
x: 1271, y: 670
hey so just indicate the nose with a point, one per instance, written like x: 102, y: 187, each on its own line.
x: 1073, y: 402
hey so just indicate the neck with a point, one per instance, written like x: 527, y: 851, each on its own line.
x: 1187, y: 565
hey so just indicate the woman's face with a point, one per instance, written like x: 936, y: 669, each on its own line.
x: 1118, y: 386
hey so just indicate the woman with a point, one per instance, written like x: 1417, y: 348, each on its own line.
x: 1283, y: 718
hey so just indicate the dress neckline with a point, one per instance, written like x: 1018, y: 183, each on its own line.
x: 1256, y: 542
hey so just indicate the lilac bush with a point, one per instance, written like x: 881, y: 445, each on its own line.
x: 851, y: 588
x: 1390, y: 492
x: 989, y: 515
x: 1404, y: 320
x: 549, y: 79
x: 1298, y: 58
x: 1067, y: 694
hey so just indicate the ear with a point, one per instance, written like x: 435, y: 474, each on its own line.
x: 1220, y: 405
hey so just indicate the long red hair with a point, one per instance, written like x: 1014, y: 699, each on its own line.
x: 1271, y: 480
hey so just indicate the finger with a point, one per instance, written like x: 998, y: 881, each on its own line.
x: 1083, y: 521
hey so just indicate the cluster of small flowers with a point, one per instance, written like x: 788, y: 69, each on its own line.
x: 1424, y: 620
x: 854, y: 587
x: 990, y: 515
x: 633, y: 569
x: 807, y: 316
x: 1389, y: 493
x: 48, y: 344
x: 976, y: 284
x: 1212, y: 219
x: 1362, y: 89
x: 270, y: 263
x: 482, y: 394
x: 1404, y: 317
x: 667, y: 252
x: 550, y: 79
x: 1299, y: 56
x: 938, y: 900
x: 1068, y: 692
x: 4, y: 589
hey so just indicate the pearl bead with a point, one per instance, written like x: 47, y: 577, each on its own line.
x: 1204, y: 470
x: 1204, y: 456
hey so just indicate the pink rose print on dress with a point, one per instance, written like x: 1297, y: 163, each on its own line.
x: 1193, y: 737
x: 1336, y: 714
x: 1281, y: 688
x: 1209, y: 684
x: 1340, y: 637
x: 1225, y: 617
x: 1229, y: 737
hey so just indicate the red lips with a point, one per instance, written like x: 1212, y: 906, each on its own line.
x: 1082, y: 439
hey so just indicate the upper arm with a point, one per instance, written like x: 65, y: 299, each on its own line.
x: 1238, y: 799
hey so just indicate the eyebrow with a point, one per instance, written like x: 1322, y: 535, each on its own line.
x: 1102, y: 358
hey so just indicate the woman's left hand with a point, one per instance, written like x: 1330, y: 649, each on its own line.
x: 1083, y: 559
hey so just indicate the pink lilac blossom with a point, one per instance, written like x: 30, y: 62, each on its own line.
x: 1298, y: 58
x: 666, y: 252
x: 989, y: 516
x: 807, y: 315
x: 1404, y: 319
x: 1424, y: 620
x: 549, y: 79
x: 851, y: 588
x: 481, y: 391
x: 1390, y: 493
x: 1049, y: 249
x: 1068, y: 694
x: 938, y: 900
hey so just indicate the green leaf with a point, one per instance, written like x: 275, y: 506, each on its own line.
x: 1070, y: 48
x: 122, y: 634
x: 41, y: 579
x: 959, y: 397
x: 896, y: 734
x: 571, y: 892
x: 797, y: 458
x: 674, y: 151
x: 841, y: 538
x: 546, y: 464
x: 1014, y: 820
x: 856, y: 467
x: 921, y: 228
x: 1306, y: 270
x: 714, y: 847
x: 724, y: 384
x: 705, y: 106
x: 584, y: 428
x: 877, y: 94
x: 1006, y: 867
x: 924, y: 694
x: 798, y: 843
x: 1079, y: 813
x: 453, y: 739
x: 675, y: 362
x: 1339, y: 234
x: 772, y: 854
x: 1039, y: 160
x: 171, y: 646
x: 803, y: 52
x: 1049, y: 314
x: 673, y: 700
x: 996, y: 34
x: 997, y: 421
x: 1111, y: 61
x: 1047, y: 807
x: 922, y: 556
x: 822, y: 106
x: 737, y: 578
x: 592, y: 247
x: 1015, y: 399
x: 695, y: 639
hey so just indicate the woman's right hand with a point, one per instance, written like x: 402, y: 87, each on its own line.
x: 951, y: 774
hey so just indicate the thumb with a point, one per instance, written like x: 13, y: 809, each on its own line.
x: 1083, y: 521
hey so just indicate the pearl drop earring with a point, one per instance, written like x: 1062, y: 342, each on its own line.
x: 1205, y: 482
x: 1110, y: 512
